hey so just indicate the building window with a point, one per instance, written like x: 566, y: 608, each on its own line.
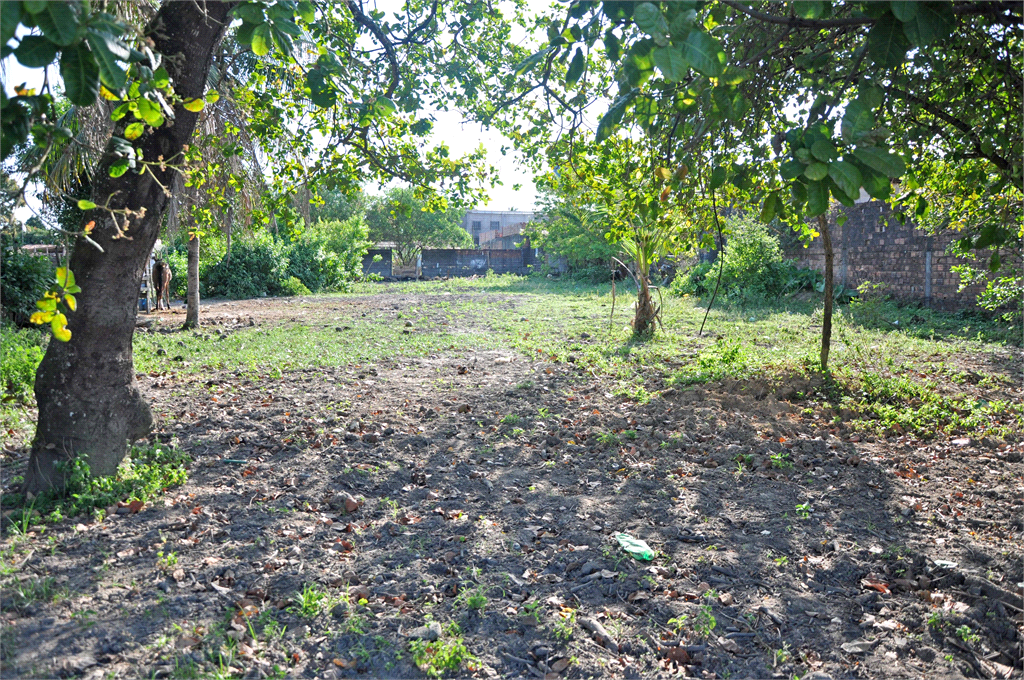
x: 495, y: 225
x: 477, y: 226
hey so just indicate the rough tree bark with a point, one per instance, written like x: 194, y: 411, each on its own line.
x: 192, y: 293
x: 89, y: 404
x: 826, y: 322
x: 644, y: 320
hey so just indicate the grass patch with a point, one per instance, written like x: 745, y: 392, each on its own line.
x: 145, y: 473
x: 440, y: 656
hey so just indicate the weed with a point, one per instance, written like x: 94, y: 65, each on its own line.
x: 533, y: 609
x: 704, y: 622
x: 311, y: 601
x: 608, y: 439
x: 803, y: 510
x: 166, y: 562
x: 511, y: 419
x: 439, y: 656
x: 544, y: 412
x: 781, y: 561
x: 781, y: 460
x: 678, y: 623
x: 44, y: 589
x: 935, y: 620
x: 966, y: 634
x: 565, y: 625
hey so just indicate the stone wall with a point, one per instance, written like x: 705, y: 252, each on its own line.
x: 873, y: 246
x: 454, y: 262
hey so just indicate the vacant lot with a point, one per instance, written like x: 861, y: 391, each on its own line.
x: 429, y: 478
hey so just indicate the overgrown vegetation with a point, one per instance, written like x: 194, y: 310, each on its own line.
x: 147, y: 472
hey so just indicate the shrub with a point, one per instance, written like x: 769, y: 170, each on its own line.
x: 258, y: 267
x: 753, y: 268
x: 23, y: 280
x: 20, y: 354
x: 329, y: 254
x: 293, y: 286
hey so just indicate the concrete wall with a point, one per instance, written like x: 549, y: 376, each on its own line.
x: 382, y: 268
x: 873, y: 246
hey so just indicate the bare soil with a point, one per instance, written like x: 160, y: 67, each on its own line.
x: 852, y: 559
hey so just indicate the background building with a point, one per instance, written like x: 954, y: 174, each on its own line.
x: 488, y: 225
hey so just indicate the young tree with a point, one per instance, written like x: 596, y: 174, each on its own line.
x: 401, y: 218
x: 89, y: 405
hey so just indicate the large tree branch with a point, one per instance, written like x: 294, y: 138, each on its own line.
x: 945, y: 117
x: 994, y: 10
x: 385, y: 42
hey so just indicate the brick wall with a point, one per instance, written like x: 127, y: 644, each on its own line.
x: 873, y: 246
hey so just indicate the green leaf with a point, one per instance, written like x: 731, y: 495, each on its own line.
x: 612, y: 46
x: 823, y: 149
x: 384, y: 106
x: 839, y: 194
x: 857, y: 118
x: 932, y: 22
x: 847, y: 177
x: 994, y: 263
x: 817, y: 198
x: 718, y: 177
x: 134, y: 131
x: 34, y: 6
x: 321, y: 93
x: 244, y: 33
x: 81, y: 75
x: 306, y: 11
x: 881, y: 160
x: 887, y: 45
x: 614, y: 114
x: 904, y: 11
x: 194, y: 105
x: 650, y: 20
x: 10, y: 17
x: 816, y: 171
x: 878, y: 186
x: 251, y: 12
x: 107, y: 52
x: 120, y: 112
x: 212, y: 97
x: 576, y: 66
x: 119, y: 168
x: 64, y: 277
x: 59, y: 23
x: 46, y: 304
x: 35, y: 51
x: 791, y: 169
x: 528, y: 64
x: 150, y: 112
x: 671, y: 62
x: 261, y: 40
x: 705, y: 54
x: 809, y: 10
x: 84, y: 204
x: 769, y: 208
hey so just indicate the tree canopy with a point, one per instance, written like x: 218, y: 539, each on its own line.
x: 399, y: 217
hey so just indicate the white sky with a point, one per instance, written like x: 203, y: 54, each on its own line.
x: 449, y: 126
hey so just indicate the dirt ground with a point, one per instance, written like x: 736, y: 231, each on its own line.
x: 486, y: 489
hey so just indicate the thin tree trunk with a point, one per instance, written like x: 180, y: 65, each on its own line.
x: 826, y: 322
x: 643, y: 321
x: 230, y: 216
x: 192, y: 294
x: 89, y: 404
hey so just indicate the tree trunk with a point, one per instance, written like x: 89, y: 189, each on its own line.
x: 826, y: 321
x: 89, y: 404
x: 192, y: 294
x: 230, y: 216
x: 644, y: 320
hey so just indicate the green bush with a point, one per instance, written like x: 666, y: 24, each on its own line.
x: 21, y: 350
x: 177, y: 258
x: 293, y: 286
x: 258, y: 267
x: 329, y: 254
x: 23, y: 280
x: 753, y: 268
